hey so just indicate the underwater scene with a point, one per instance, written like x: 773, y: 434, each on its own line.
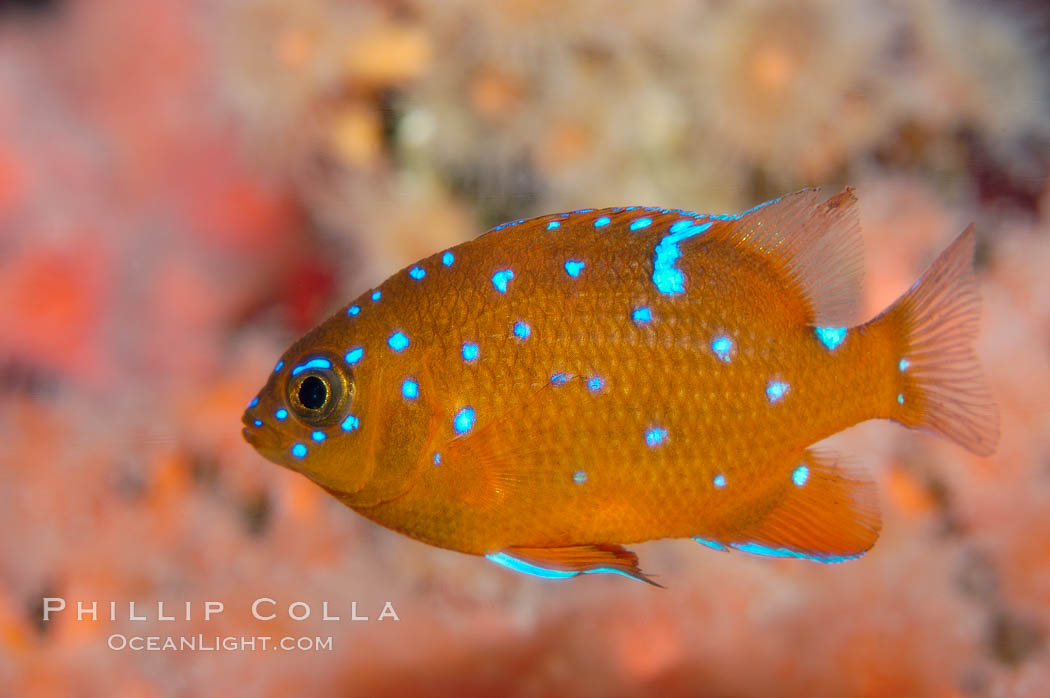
x: 745, y: 393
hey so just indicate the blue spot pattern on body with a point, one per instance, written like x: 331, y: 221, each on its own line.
x: 830, y: 337
x: 642, y: 315
x: 312, y: 363
x: 350, y: 423
x: 719, y: 481
x: 721, y: 346
x: 281, y: 413
x: 354, y: 355
x: 655, y: 436
x: 668, y: 279
x: 470, y: 351
x: 318, y: 436
x: 500, y: 279
x: 447, y: 259
x: 376, y: 295
x: 299, y: 450
x: 800, y: 476
x: 353, y: 310
x: 641, y: 223
x: 278, y: 367
x: 417, y: 273
x: 775, y: 390
x: 595, y: 383
x: 573, y: 267
x: 522, y: 329
x: 398, y: 341
x: 410, y: 389
x: 464, y: 420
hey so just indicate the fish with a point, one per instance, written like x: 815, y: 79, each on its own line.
x: 564, y: 386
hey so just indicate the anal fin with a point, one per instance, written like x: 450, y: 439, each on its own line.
x: 828, y: 513
x: 570, y: 561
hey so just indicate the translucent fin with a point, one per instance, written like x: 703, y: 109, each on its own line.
x: 817, y: 245
x: 944, y: 389
x: 828, y: 513
x: 570, y: 561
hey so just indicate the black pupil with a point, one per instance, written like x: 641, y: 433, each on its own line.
x: 313, y: 393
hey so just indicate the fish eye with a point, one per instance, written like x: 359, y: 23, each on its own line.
x: 319, y: 396
x: 313, y: 393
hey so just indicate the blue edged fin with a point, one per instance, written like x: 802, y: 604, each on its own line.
x: 822, y: 511
x: 570, y: 561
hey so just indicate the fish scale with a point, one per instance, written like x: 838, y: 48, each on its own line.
x: 634, y: 374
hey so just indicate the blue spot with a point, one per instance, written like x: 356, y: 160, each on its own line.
x: 350, y: 423
x: 559, y: 379
x: 756, y: 549
x: 354, y: 355
x: 713, y: 544
x: 655, y: 436
x: 410, y: 389
x: 353, y: 310
x: 417, y: 273
x: 641, y: 223
x: 257, y: 422
x: 500, y: 279
x: 903, y: 365
x: 642, y: 315
x: 574, y: 268
x: 719, y: 481
x: 470, y: 351
x: 281, y: 413
x: 668, y: 279
x: 312, y: 363
x: 464, y: 420
x: 253, y: 403
x: 722, y: 346
x: 831, y: 337
x: 594, y: 384
x: 553, y: 224
x: 397, y: 341
x: 447, y: 259
x: 579, y: 477
x: 278, y: 367
x: 522, y: 329
x: 437, y: 459
x: 298, y: 450
x: 601, y: 222
x: 900, y: 398
x: 317, y: 436
x: 800, y: 475
x: 376, y: 295
x: 517, y: 565
x: 776, y: 390
x: 679, y: 226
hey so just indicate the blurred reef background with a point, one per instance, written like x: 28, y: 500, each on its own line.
x: 187, y: 186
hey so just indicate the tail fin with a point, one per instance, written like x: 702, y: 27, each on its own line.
x: 943, y: 387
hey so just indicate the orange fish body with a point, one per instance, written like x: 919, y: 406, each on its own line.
x: 566, y: 385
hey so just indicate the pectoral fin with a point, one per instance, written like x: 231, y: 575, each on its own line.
x: 570, y: 561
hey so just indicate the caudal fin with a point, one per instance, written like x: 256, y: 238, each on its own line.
x: 943, y: 389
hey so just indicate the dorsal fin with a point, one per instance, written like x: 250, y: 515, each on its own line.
x: 817, y: 245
